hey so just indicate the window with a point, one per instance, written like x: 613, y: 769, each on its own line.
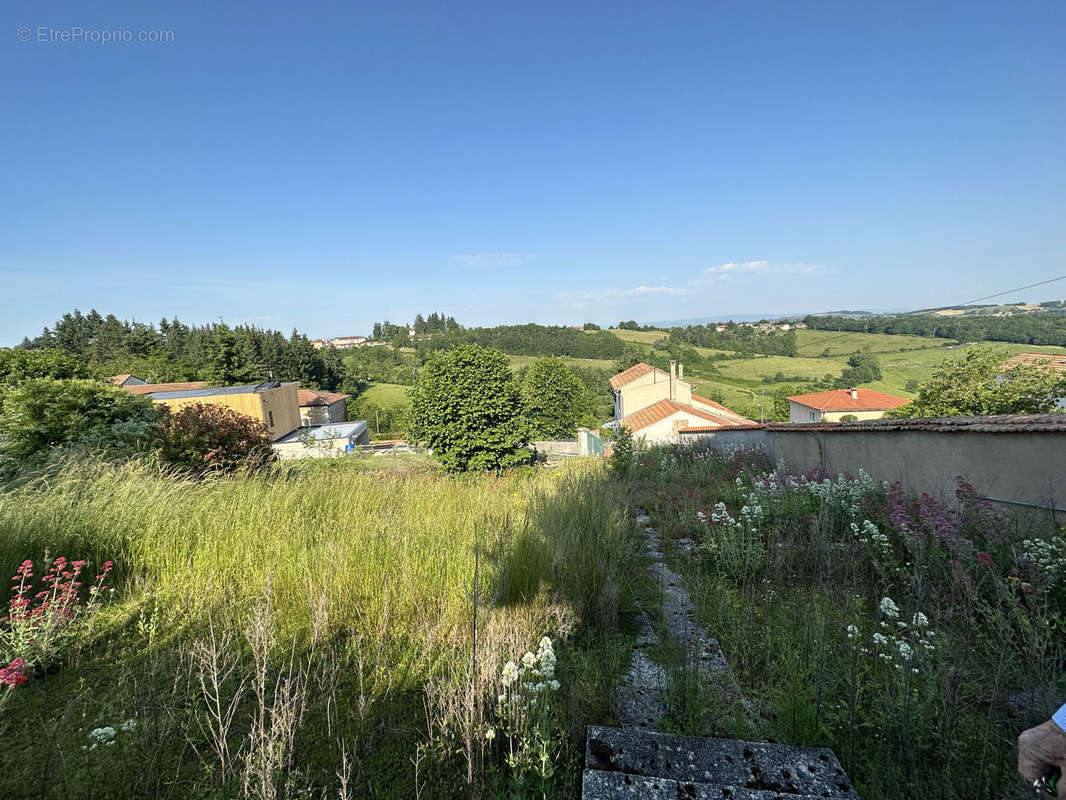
x: 270, y: 416
x: 814, y: 417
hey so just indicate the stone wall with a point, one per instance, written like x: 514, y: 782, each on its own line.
x: 1012, y: 459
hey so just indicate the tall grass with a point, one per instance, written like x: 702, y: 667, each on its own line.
x: 380, y: 564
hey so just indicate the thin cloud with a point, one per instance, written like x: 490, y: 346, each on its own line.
x: 725, y: 271
x: 503, y: 259
x: 582, y: 299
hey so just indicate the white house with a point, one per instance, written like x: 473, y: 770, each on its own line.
x: 656, y: 405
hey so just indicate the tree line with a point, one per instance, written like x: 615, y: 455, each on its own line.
x: 1045, y: 327
x: 175, y: 351
x: 741, y: 339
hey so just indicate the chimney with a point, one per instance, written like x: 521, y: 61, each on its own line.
x: 673, y: 375
x: 681, y: 372
x: 854, y: 393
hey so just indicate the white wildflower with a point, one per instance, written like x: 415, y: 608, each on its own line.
x: 510, y: 673
x: 889, y: 608
x: 880, y: 639
x: 920, y: 620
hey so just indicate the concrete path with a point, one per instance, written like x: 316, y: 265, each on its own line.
x: 635, y: 761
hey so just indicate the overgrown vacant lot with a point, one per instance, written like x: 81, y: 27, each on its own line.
x: 915, y: 637
x: 310, y: 633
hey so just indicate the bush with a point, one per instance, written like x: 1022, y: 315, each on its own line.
x: 43, y: 415
x: 204, y: 437
x: 467, y: 407
x: 554, y: 397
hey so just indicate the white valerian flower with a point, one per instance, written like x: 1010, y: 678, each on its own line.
x: 490, y: 734
x: 529, y: 661
x: 889, y: 608
x: 510, y: 673
x: 880, y: 639
x: 853, y: 631
x: 904, y: 650
x: 554, y: 685
x: 920, y: 620
x: 102, y: 734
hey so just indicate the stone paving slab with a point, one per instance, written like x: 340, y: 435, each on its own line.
x: 596, y: 785
x: 722, y: 763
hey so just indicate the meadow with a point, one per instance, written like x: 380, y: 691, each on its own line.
x: 329, y: 629
x: 915, y: 636
x: 905, y: 362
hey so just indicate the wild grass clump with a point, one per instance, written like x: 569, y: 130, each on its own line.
x: 913, y: 635
x: 326, y: 628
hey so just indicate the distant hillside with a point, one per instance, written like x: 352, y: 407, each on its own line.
x: 1023, y: 323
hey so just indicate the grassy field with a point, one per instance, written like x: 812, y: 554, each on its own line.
x: 386, y: 395
x: 904, y: 360
x: 518, y: 362
x: 331, y: 605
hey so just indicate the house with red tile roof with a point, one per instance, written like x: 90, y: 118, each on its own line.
x: 834, y: 404
x: 655, y: 405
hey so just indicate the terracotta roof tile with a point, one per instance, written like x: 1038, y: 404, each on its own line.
x: 313, y: 397
x: 1052, y: 360
x: 713, y: 404
x: 630, y: 375
x: 665, y: 408
x: 841, y: 400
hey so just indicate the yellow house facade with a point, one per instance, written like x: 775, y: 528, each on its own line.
x: 834, y: 405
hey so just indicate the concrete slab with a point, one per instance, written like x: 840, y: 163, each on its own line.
x: 729, y: 763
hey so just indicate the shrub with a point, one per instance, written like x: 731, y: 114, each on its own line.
x: 467, y: 407
x: 204, y: 437
x: 43, y: 414
x: 554, y: 398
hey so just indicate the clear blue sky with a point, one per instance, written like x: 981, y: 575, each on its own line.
x: 325, y: 165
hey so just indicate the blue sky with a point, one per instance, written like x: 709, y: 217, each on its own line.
x: 324, y: 165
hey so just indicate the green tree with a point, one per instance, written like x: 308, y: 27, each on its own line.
x: 555, y: 399
x: 229, y: 361
x: 468, y: 408
x: 17, y: 366
x: 863, y: 367
x: 980, y: 383
x: 43, y: 414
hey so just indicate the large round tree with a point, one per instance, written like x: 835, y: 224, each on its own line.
x: 555, y: 398
x: 468, y: 408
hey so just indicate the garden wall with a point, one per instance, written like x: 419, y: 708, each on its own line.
x: 1014, y: 459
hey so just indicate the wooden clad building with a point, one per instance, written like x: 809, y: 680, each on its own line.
x: 272, y: 403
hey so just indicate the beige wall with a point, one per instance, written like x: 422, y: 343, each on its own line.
x: 797, y: 412
x: 645, y: 391
x: 665, y: 430
x: 1013, y: 468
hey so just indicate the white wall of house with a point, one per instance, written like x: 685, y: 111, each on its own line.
x: 647, y: 390
x: 665, y: 430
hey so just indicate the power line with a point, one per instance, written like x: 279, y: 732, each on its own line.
x: 923, y: 311
x: 1010, y: 291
